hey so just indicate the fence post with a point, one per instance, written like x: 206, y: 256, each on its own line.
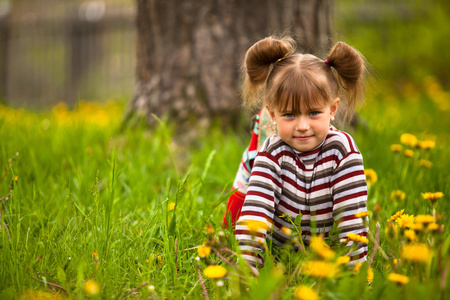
x: 85, y: 44
x: 5, y: 9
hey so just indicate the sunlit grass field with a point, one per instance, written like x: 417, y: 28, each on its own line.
x: 91, y: 211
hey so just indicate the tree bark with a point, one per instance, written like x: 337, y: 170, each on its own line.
x: 189, y: 53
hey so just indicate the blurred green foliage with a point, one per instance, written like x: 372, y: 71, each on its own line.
x: 404, y: 41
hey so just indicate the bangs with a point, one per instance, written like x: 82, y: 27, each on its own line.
x: 301, y: 91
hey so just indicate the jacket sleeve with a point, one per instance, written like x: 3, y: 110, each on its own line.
x: 349, y: 190
x: 257, y: 213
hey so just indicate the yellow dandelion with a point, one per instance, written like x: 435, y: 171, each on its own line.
x: 171, y: 206
x: 398, y: 278
x: 408, y: 139
x: 371, y: 176
x: 433, y: 227
x: 321, y: 269
x: 320, y: 248
x: 408, y: 153
x: 342, y: 260
x: 214, y: 271
x: 370, y: 275
x: 254, y: 226
x: 362, y: 214
x: 417, y: 253
x: 203, y: 251
x: 303, y: 292
x: 425, y: 163
x: 395, y: 216
x: 286, y: 230
x: 432, y: 197
x: 357, y: 267
x: 396, y: 148
x: 357, y: 238
x: 416, y: 226
x: 398, y: 195
x: 91, y: 287
x: 428, y: 144
x: 425, y: 219
x: 410, y: 235
x: 209, y: 229
x: 405, y: 221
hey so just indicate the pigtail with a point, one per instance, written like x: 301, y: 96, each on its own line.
x: 350, y: 69
x: 259, y: 61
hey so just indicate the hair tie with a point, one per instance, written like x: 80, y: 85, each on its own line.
x: 278, y: 60
x: 326, y: 61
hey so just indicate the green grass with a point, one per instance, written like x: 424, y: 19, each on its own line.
x: 90, y: 202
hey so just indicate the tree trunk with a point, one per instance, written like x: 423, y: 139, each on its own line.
x: 189, y: 53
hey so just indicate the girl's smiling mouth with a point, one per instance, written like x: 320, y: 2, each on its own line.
x: 302, y: 138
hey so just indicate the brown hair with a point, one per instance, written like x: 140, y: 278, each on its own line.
x: 276, y: 76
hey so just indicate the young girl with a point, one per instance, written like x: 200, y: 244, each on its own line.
x: 308, y: 167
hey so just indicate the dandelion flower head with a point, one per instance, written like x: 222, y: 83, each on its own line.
x: 408, y: 153
x: 371, y: 176
x: 410, y: 235
x: 91, y: 287
x: 396, y: 148
x: 319, y: 246
x: 362, y: 214
x: 405, y: 221
x: 425, y: 219
x: 428, y: 144
x: 395, y: 216
x: 321, y: 269
x: 417, y: 253
x: 408, y: 139
x: 398, y: 278
x: 303, y: 292
x: 254, y: 226
x: 357, y: 238
x: 342, y: 260
x: 432, y: 197
x: 203, y: 251
x: 214, y: 271
x: 370, y: 275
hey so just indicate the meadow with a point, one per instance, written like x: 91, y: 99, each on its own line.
x: 92, y: 211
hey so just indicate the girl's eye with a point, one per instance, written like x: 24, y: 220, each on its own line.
x: 289, y: 115
x: 314, y: 113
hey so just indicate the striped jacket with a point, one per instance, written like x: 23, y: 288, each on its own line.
x: 326, y: 185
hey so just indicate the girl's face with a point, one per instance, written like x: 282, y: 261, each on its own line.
x: 305, y: 130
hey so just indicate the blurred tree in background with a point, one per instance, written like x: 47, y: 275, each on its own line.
x: 189, y: 52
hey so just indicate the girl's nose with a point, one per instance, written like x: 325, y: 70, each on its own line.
x: 302, y: 124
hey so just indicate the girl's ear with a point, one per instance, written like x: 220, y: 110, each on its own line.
x: 334, y: 106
